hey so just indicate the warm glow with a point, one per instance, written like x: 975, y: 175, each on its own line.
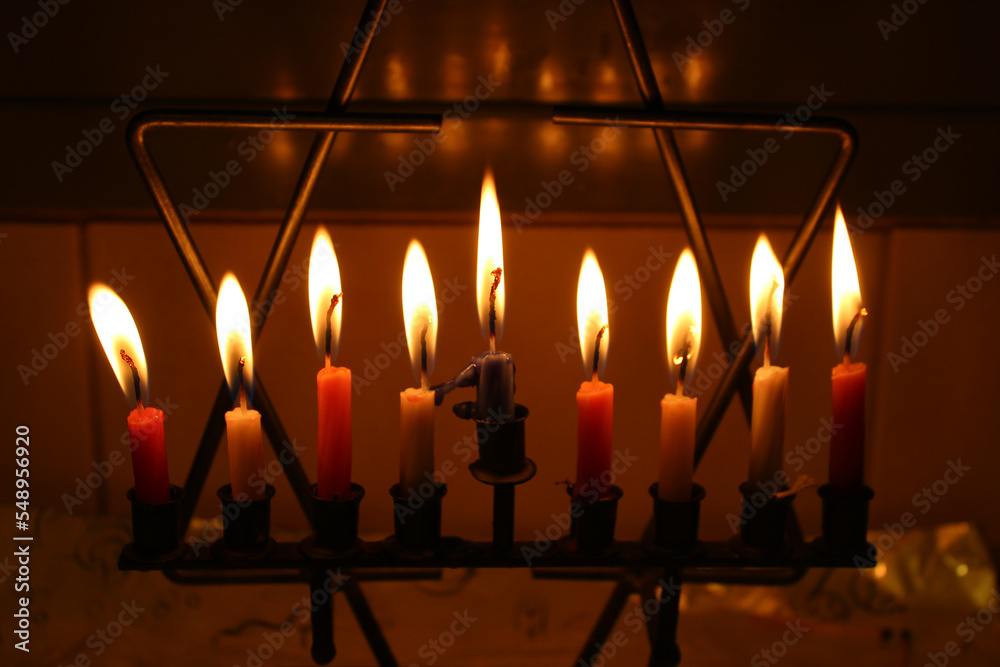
x: 232, y: 325
x: 490, y: 257
x: 764, y: 271
x: 419, y: 310
x: 117, y: 331
x: 324, y: 282
x: 846, y: 289
x: 684, y: 315
x: 592, y: 313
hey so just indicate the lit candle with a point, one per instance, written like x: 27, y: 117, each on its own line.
x: 333, y: 384
x: 495, y: 390
x: 492, y: 372
x: 232, y: 325
x: 416, y: 406
x: 595, y: 399
x: 677, y: 411
x: 770, y: 384
x: 120, y: 338
x: 847, y: 444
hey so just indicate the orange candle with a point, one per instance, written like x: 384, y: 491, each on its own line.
x: 333, y: 384
x: 120, y: 338
x: 595, y: 399
x: 334, y: 447
x: 678, y: 412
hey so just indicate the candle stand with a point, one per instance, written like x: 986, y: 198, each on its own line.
x: 501, y: 464
x: 845, y: 519
x: 246, y: 527
x: 336, y: 523
x: 675, y: 523
x: 769, y: 550
x: 592, y: 523
x: 417, y: 518
x: 763, y: 518
x: 156, y: 528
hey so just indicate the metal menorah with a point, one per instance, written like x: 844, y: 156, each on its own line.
x: 769, y: 549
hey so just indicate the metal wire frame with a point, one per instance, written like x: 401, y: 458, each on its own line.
x: 736, y: 380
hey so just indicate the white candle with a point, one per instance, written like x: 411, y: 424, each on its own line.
x: 770, y: 386
x: 246, y: 459
x: 767, y: 425
x: 416, y: 438
x: 678, y: 413
x: 416, y: 405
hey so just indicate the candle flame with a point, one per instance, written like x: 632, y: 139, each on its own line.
x: 232, y: 325
x: 767, y: 290
x: 117, y: 331
x: 592, y: 315
x: 324, y: 284
x: 684, y: 316
x: 419, y: 312
x: 490, y: 258
x: 846, y: 288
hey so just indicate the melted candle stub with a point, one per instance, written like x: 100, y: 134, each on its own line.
x: 494, y: 376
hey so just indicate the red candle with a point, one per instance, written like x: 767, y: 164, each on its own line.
x: 847, y: 443
x: 120, y: 338
x: 595, y: 404
x: 595, y: 399
x: 149, y: 455
x: 333, y: 384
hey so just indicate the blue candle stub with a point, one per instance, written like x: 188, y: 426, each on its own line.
x: 492, y: 374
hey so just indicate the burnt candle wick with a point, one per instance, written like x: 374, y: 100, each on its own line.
x: 136, y: 385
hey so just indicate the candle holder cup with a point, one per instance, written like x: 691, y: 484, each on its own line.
x: 156, y: 528
x: 501, y: 464
x: 763, y: 519
x: 845, y: 520
x: 246, y: 528
x: 501, y: 444
x: 675, y: 523
x: 592, y: 523
x: 417, y: 516
x: 335, y: 524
